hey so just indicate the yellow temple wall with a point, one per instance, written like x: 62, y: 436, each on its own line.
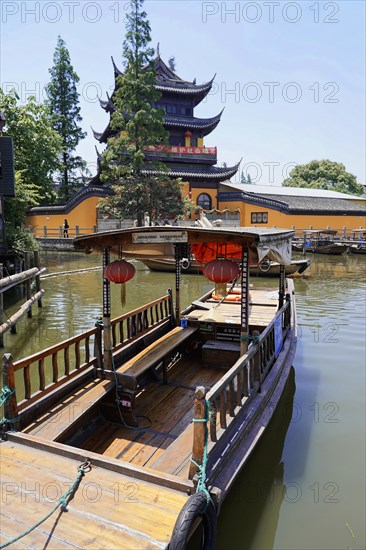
x: 84, y: 215
x: 299, y: 221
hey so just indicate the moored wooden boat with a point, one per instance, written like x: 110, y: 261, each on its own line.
x: 320, y: 241
x: 264, y: 269
x: 357, y: 249
x: 156, y: 410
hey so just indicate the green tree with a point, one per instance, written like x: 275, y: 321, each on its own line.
x: 138, y: 124
x: 243, y: 178
x: 63, y: 101
x: 36, y: 145
x: 324, y: 174
x: 36, y: 149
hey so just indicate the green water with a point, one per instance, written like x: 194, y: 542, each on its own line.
x: 304, y: 487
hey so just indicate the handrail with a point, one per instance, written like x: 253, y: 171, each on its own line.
x: 64, y: 360
x: 234, y: 391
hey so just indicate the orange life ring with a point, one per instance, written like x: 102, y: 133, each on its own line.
x: 234, y: 296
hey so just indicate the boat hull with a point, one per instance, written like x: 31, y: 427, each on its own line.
x: 168, y: 265
x: 356, y: 250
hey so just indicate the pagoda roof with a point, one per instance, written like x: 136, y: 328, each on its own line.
x: 193, y: 123
x: 206, y: 125
x: 216, y: 173
x: 170, y: 82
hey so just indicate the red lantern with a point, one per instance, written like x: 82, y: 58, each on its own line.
x: 119, y: 271
x: 221, y: 270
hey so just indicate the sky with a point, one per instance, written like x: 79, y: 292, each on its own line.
x: 290, y: 75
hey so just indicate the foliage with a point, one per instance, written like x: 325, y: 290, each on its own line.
x: 36, y: 145
x: 63, y: 101
x: 324, y: 174
x: 246, y: 179
x: 18, y: 239
x: 137, y: 124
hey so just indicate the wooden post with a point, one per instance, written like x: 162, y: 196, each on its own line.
x: 177, y: 284
x: 244, y: 330
x: 10, y: 407
x: 107, y: 358
x: 45, y: 231
x: 198, y: 430
x: 77, y: 230
x: 281, y: 290
x: 60, y: 231
x: 98, y: 345
x: 38, y: 279
x: 1, y: 307
x: 28, y: 282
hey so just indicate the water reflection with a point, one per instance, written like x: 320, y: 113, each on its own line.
x: 254, y: 502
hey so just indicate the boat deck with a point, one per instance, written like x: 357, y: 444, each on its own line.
x: 110, y: 509
x: 163, y: 412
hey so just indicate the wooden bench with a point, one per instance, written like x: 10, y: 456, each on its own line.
x: 55, y: 424
x: 158, y: 352
x: 58, y: 420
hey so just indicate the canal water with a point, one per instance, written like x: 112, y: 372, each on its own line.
x: 304, y: 487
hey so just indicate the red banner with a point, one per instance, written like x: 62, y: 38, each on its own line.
x: 177, y: 149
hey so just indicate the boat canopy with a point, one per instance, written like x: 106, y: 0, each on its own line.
x: 159, y: 241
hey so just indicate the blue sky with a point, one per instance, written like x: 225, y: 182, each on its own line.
x: 291, y: 75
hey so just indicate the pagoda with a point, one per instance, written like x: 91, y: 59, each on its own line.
x: 186, y: 156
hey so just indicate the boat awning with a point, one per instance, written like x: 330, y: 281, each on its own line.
x: 158, y: 242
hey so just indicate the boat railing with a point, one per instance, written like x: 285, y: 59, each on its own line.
x: 130, y: 326
x: 34, y: 377
x: 235, y: 390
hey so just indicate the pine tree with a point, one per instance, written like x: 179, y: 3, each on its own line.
x: 138, y: 124
x: 249, y: 180
x: 243, y: 179
x: 63, y: 100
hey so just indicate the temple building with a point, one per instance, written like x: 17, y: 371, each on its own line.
x: 186, y: 155
x: 208, y: 185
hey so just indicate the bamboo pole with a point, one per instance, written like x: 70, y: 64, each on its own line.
x: 21, y: 312
x: 18, y: 277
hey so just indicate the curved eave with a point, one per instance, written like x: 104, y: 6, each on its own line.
x: 192, y: 123
x: 185, y: 88
x: 216, y: 173
x: 102, y: 136
x: 80, y: 196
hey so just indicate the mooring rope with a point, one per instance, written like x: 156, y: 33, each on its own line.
x: 202, y: 475
x: 5, y: 395
x: 63, y: 501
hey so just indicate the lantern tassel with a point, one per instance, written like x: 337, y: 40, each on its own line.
x: 123, y: 294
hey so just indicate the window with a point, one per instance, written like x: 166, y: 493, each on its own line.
x: 171, y: 109
x: 259, y: 217
x: 204, y: 201
x: 185, y: 110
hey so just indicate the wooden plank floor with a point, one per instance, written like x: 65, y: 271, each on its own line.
x: 109, y: 510
x: 165, y: 410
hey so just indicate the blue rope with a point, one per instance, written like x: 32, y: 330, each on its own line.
x: 63, y: 501
x: 5, y: 394
x: 202, y: 475
x: 249, y: 338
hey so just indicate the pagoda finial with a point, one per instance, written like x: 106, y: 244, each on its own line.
x: 158, y: 49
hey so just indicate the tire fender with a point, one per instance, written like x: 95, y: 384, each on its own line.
x: 195, y: 507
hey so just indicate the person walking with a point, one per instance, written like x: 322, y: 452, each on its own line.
x: 66, y: 229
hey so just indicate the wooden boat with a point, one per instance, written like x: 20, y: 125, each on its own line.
x: 321, y: 241
x: 140, y: 425
x: 357, y: 249
x: 358, y: 235
x: 264, y: 269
